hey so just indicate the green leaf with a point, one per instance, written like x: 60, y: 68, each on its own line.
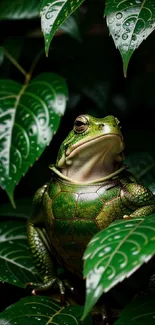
x: 115, y: 253
x: 129, y: 22
x: 23, y: 209
x: 29, y: 116
x: 140, y: 311
x: 15, y: 258
x: 142, y: 165
x: 53, y: 14
x: 152, y: 187
x: 42, y: 310
x: 71, y: 27
x: 23, y: 9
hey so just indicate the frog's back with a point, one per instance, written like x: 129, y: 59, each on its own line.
x: 76, y: 213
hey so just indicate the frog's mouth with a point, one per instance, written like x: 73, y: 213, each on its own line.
x: 93, y: 159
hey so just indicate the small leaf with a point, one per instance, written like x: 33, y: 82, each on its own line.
x: 42, y: 310
x: 140, y: 311
x: 23, y: 9
x: 53, y: 14
x: 115, y: 253
x: 15, y: 258
x: 29, y: 116
x: 23, y: 209
x: 129, y: 22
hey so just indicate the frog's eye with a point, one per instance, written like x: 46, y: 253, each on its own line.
x: 81, y: 124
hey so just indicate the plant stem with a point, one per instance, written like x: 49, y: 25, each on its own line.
x: 15, y: 63
x: 35, y: 61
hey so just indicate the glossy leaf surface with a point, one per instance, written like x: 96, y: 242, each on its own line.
x: 71, y: 27
x: 23, y: 9
x: 42, y: 310
x: 115, y: 253
x: 53, y: 14
x: 15, y: 258
x: 129, y: 22
x: 140, y: 311
x: 29, y: 116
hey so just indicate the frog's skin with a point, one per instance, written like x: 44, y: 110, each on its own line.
x: 90, y: 188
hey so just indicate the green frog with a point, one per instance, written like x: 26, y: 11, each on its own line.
x: 90, y: 187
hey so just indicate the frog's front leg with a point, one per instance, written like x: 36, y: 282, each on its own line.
x: 40, y: 248
x: 137, y: 198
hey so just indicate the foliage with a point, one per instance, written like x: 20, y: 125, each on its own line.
x: 34, y: 97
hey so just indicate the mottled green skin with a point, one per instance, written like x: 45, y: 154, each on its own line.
x: 67, y: 215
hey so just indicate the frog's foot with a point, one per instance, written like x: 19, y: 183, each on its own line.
x: 126, y: 217
x: 40, y: 287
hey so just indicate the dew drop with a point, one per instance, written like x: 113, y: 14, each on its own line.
x: 127, y: 23
x: 125, y: 36
x: 119, y: 15
x: 111, y: 20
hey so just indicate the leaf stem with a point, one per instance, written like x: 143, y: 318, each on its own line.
x: 15, y: 63
x: 35, y: 62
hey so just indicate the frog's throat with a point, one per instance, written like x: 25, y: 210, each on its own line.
x: 99, y: 180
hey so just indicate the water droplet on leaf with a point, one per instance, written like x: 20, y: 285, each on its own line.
x: 125, y: 36
x: 119, y: 15
x: 111, y: 20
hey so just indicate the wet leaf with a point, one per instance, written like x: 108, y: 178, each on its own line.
x: 29, y: 116
x: 23, y: 9
x: 129, y: 22
x: 53, y: 14
x: 71, y: 27
x: 15, y: 258
x: 115, y: 253
x: 42, y: 310
x: 139, y: 311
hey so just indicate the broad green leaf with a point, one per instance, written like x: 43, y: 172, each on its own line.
x: 140, y: 311
x: 23, y: 209
x: 129, y: 22
x: 53, y: 14
x: 142, y: 165
x: 15, y: 258
x: 23, y: 9
x: 29, y: 116
x: 44, y: 311
x: 115, y: 253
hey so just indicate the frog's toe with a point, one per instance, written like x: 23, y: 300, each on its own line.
x: 126, y: 217
x: 39, y: 287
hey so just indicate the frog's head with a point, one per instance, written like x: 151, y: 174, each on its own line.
x: 93, y: 149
